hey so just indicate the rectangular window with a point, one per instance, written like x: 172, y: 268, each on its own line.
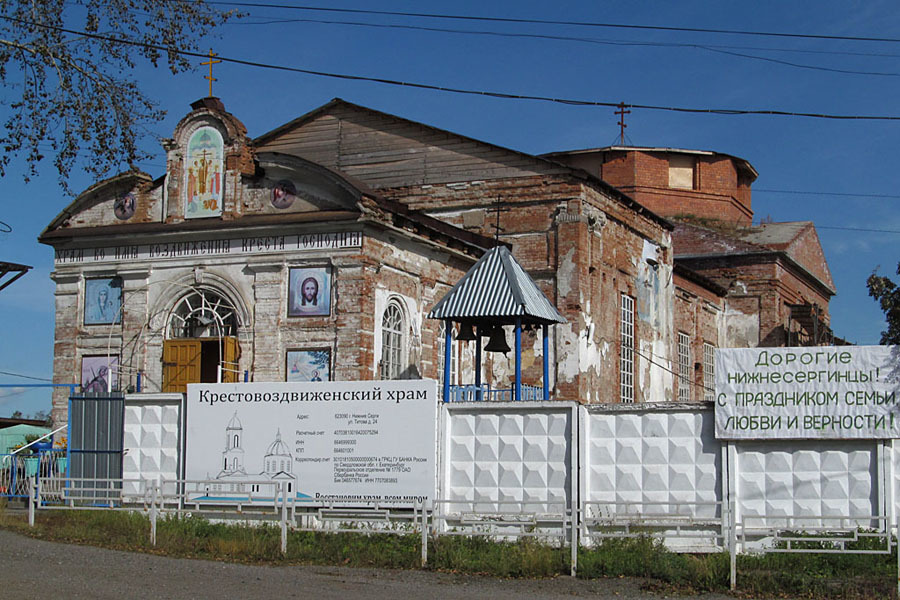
x: 709, y: 372
x: 626, y: 351
x: 684, y: 367
x: 681, y: 172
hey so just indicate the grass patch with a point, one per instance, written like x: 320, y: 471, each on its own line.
x: 477, y: 554
x: 762, y: 576
x: 647, y: 557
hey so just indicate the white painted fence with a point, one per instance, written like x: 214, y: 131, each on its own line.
x: 622, y: 468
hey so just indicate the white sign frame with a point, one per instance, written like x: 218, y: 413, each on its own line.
x: 362, y: 442
x: 817, y: 392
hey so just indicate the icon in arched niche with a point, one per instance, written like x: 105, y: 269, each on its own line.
x: 283, y: 194
x: 203, y: 174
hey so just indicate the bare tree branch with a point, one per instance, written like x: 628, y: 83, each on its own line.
x: 78, y: 95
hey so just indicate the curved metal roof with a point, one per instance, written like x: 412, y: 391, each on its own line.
x: 496, y: 288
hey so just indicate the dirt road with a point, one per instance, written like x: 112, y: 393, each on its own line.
x: 34, y: 568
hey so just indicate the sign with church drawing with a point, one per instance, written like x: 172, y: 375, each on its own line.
x: 204, y: 174
x: 360, y: 442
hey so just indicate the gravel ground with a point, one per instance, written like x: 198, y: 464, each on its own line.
x: 34, y: 568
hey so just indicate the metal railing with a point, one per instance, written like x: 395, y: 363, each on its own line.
x: 804, y: 534
x: 712, y: 523
x: 16, y: 469
x: 485, y: 393
x: 692, y: 526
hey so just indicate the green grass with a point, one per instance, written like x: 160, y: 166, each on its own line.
x: 762, y: 576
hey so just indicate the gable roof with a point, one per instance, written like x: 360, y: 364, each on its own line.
x: 404, y: 161
x: 496, y: 288
x: 775, y: 235
x: 691, y: 241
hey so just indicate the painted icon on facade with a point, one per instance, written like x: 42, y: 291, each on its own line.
x: 204, y: 174
x: 283, y: 194
x: 308, y: 365
x: 309, y: 292
x: 103, y: 301
x: 99, y: 373
x: 124, y: 206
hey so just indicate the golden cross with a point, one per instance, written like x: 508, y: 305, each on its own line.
x: 211, y: 62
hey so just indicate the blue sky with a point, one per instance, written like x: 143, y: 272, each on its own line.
x: 845, y: 169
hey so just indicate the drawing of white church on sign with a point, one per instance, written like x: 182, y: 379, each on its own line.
x: 278, y: 463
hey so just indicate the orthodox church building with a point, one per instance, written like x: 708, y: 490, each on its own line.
x: 314, y: 251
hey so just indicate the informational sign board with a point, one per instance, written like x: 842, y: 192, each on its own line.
x: 821, y: 392
x: 363, y: 442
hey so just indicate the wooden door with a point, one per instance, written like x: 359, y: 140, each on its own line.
x: 181, y: 364
x: 230, y: 364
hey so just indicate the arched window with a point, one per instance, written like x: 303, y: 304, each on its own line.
x: 393, y: 341
x: 202, y: 313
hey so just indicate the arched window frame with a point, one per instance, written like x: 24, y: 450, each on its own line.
x: 394, y: 339
x: 202, y: 310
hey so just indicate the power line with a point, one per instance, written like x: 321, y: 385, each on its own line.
x: 842, y: 194
x: 463, y: 91
x: 858, y: 229
x: 568, y: 23
x: 719, y: 49
x: 25, y: 376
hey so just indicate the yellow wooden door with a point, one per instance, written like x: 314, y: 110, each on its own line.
x: 181, y: 364
x: 230, y: 364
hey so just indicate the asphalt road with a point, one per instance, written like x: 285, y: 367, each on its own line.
x: 32, y: 568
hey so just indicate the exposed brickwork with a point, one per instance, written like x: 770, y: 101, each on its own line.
x: 700, y: 314
x: 721, y: 186
x: 584, y: 244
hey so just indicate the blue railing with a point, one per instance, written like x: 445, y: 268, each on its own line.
x: 17, y: 469
x: 485, y: 393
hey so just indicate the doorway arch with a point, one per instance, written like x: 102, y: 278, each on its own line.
x: 201, y: 339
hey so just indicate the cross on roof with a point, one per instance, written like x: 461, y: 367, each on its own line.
x: 210, y: 62
x: 622, y: 112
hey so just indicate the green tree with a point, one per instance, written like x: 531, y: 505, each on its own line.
x: 887, y: 293
x: 67, y: 70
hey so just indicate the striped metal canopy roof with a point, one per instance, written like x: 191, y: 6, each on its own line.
x: 496, y: 288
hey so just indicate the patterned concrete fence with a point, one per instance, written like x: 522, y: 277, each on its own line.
x: 632, y: 468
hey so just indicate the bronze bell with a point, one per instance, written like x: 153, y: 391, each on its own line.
x: 466, y: 333
x: 497, y: 343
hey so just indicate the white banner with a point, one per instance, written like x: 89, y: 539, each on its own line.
x: 362, y: 441
x: 808, y: 393
x: 208, y: 246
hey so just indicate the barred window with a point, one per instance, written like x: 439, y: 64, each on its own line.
x: 393, y: 341
x: 709, y: 372
x: 684, y: 367
x: 626, y: 350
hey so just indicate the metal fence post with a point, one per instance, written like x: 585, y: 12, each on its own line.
x: 732, y: 543
x: 31, y: 491
x: 153, y: 498
x: 424, y: 534
x: 283, y: 490
x: 573, y: 569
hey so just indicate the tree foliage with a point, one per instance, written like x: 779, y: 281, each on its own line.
x: 67, y: 69
x: 887, y: 293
